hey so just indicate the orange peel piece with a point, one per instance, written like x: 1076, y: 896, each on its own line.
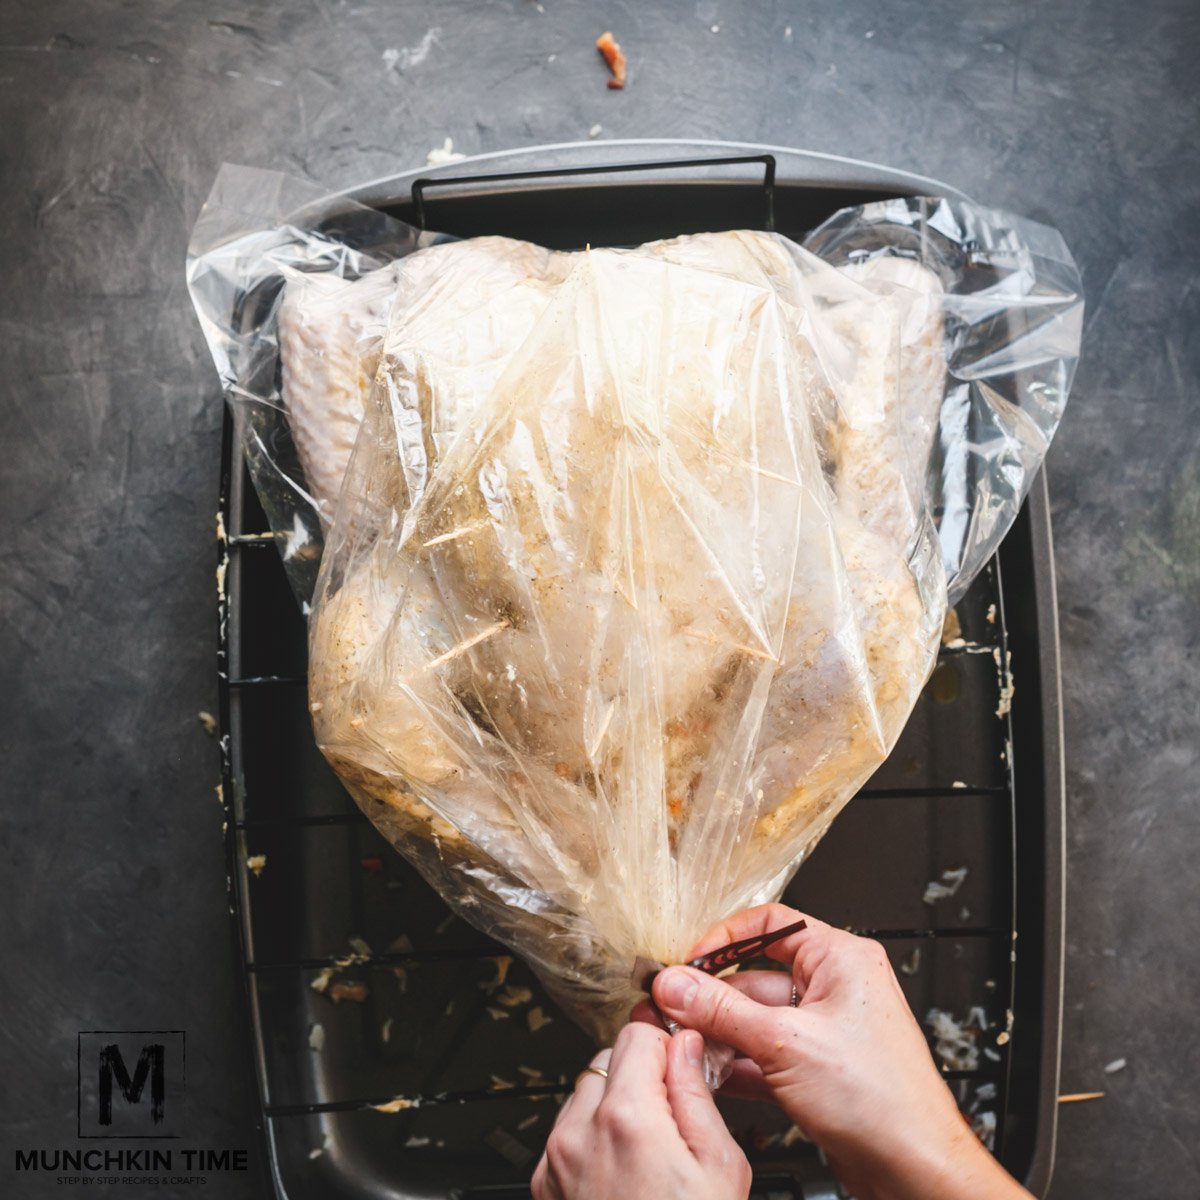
x: 608, y: 47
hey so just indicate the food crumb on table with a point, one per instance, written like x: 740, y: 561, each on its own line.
x: 608, y: 47
x: 445, y: 153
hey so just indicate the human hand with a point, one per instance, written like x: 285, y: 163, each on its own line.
x: 849, y: 1064
x: 650, y: 1129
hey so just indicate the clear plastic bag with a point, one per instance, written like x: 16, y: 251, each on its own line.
x: 1012, y: 312
x: 269, y: 250
x: 635, y: 576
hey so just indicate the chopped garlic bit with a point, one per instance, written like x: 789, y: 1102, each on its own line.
x: 323, y: 980
x: 513, y: 997
x: 912, y: 963
x: 445, y: 153
x: 950, y: 882
x: 316, y: 1038
x: 977, y: 1017
x: 1007, y: 687
x: 502, y: 962
x: 953, y: 1043
x: 208, y: 722
x: 398, y: 1105
x: 298, y: 543
x: 415, y: 1142
x: 983, y: 1125
x: 256, y: 862
x: 1117, y: 1064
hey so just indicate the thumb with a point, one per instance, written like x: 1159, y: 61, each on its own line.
x: 700, y: 1124
x: 720, y: 1012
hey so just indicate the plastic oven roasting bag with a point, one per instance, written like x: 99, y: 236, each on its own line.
x: 641, y: 556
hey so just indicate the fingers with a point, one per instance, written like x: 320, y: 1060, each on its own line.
x: 724, y: 1014
x: 645, y: 1012
x: 583, y: 1101
x: 746, y: 1082
x: 767, y: 987
x: 772, y: 988
x: 700, y: 1124
x: 813, y: 948
x: 544, y: 1184
x: 637, y: 1069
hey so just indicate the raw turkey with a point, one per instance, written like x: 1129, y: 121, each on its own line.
x: 630, y: 586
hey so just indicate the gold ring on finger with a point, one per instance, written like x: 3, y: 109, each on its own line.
x: 591, y: 1071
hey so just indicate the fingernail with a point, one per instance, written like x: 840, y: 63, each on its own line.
x: 693, y: 1047
x: 675, y: 989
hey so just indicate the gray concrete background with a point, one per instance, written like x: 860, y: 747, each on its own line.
x: 115, y: 119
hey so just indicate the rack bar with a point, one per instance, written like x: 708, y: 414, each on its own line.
x: 247, y: 681
x: 466, y: 954
x: 359, y: 818
x: 767, y: 160
x: 321, y: 820
x: 530, y: 1091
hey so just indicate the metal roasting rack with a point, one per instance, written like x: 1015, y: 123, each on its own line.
x: 441, y: 1028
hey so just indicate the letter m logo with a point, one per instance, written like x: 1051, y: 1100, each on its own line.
x: 131, y: 1083
x: 151, y: 1062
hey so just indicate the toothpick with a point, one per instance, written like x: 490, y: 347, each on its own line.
x: 463, y: 647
